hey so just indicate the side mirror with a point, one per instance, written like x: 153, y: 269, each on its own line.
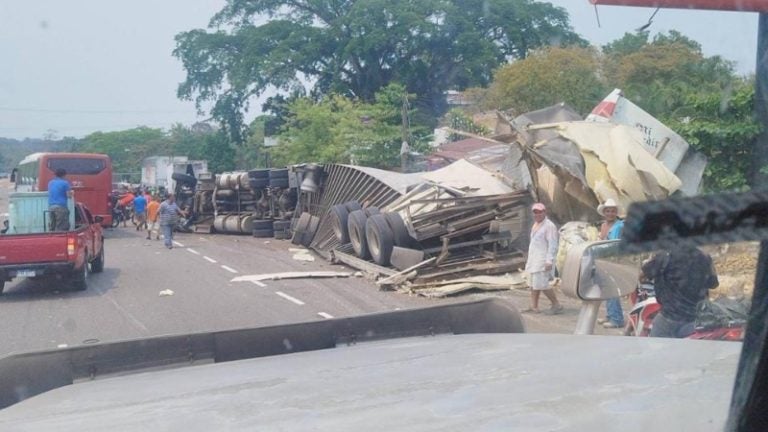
x: 98, y: 219
x: 597, y: 271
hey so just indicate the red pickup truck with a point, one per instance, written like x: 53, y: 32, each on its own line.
x: 68, y: 254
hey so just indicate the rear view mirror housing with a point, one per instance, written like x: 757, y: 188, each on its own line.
x: 98, y: 219
x: 595, y: 272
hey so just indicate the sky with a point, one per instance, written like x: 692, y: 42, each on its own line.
x: 73, y: 67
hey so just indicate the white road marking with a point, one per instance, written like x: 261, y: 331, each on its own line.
x: 178, y: 244
x: 325, y: 315
x: 62, y: 346
x: 261, y: 284
x: 229, y: 269
x: 289, y: 298
x: 190, y: 250
x: 209, y: 259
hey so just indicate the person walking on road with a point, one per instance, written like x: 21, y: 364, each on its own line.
x: 169, y: 215
x: 59, y: 191
x: 140, y: 211
x: 153, y: 225
x: 610, y: 229
x: 541, y: 256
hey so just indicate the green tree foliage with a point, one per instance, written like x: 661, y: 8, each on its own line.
x: 460, y: 120
x: 722, y: 126
x: 356, y: 48
x: 660, y: 75
x: 547, y: 77
x: 344, y: 130
x: 126, y: 148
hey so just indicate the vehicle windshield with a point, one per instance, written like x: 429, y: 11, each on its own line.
x: 279, y: 162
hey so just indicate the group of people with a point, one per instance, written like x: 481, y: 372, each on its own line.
x: 682, y: 276
x: 153, y: 215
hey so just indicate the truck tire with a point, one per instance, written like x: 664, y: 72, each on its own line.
x: 97, y: 265
x: 80, y: 278
x: 352, y: 206
x: 263, y: 233
x: 2, y: 286
x: 184, y: 178
x: 370, y: 211
x: 339, y: 219
x: 380, y: 239
x: 278, y: 183
x: 279, y: 173
x: 258, y: 174
x: 282, y: 225
x: 356, y: 228
x: 258, y: 183
x: 399, y: 230
x: 301, y: 227
x: 262, y: 224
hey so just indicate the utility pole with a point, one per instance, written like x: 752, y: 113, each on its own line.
x: 404, y: 147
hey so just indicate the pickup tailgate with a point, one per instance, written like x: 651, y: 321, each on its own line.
x: 33, y: 248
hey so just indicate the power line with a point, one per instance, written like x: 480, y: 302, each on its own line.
x: 89, y: 111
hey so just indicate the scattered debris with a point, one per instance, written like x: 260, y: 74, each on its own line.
x: 302, y: 255
x: 485, y: 283
x: 165, y: 293
x: 291, y: 275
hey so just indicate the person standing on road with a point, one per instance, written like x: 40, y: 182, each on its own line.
x: 59, y: 191
x: 140, y: 211
x: 610, y: 229
x: 153, y: 209
x: 169, y: 216
x: 541, y: 256
x: 682, y: 277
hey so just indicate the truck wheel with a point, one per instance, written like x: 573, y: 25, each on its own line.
x: 356, y: 228
x: 2, y: 286
x: 80, y: 278
x: 380, y: 239
x: 97, y: 265
x: 339, y: 220
x: 399, y: 230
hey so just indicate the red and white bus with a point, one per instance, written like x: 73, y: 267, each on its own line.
x: 90, y: 175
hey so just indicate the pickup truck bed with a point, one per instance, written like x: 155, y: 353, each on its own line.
x: 71, y: 254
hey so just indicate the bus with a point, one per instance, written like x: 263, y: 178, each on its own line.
x: 90, y: 175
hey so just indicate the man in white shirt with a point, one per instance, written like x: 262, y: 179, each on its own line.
x: 541, y: 256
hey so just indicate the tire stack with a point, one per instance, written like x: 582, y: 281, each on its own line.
x: 372, y: 234
x: 234, y: 202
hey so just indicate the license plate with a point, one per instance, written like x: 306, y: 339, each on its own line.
x: 25, y: 273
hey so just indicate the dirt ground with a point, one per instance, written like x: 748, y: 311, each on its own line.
x: 736, y: 264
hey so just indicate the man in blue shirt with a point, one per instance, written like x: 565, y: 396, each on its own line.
x: 59, y: 191
x: 140, y: 210
x: 611, y: 230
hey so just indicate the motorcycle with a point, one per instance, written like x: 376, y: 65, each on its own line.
x: 721, y: 319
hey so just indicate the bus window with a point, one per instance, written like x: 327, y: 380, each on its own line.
x: 81, y: 166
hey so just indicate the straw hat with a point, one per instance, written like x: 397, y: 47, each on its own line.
x: 610, y: 202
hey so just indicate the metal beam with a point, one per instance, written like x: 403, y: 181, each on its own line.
x: 725, y: 5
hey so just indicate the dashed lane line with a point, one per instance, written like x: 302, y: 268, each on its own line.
x: 178, y: 244
x: 190, y: 250
x: 325, y: 315
x: 209, y: 259
x: 229, y: 269
x: 289, y: 298
x: 259, y: 283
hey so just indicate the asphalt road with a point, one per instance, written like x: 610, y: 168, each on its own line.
x: 123, y: 302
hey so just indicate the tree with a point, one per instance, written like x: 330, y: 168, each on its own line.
x: 661, y: 74
x: 355, y: 48
x: 127, y: 148
x: 722, y: 126
x: 547, y: 77
x: 344, y: 130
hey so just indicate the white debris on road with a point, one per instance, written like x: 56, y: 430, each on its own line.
x: 291, y: 275
x: 165, y: 293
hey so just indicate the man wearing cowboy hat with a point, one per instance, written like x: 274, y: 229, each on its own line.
x: 610, y: 229
x: 541, y: 256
